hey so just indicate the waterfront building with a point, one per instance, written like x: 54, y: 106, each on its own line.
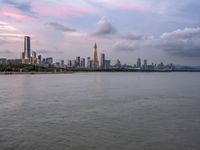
x: 69, y: 63
x: 118, y: 64
x: 95, y: 60
x: 49, y: 60
x: 78, y: 61
x: 3, y: 61
x: 139, y: 63
x: 73, y: 63
x: 103, y: 66
x: 22, y: 55
x: 39, y: 59
x: 27, y: 47
x: 89, y: 63
x: 82, y: 62
x: 145, y: 62
x: 107, y: 64
x: 33, y: 58
x: 62, y: 63
x: 43, y: 61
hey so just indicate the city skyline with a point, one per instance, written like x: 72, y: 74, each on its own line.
x: 124, y: 30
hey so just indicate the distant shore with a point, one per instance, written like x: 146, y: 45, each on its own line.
x: 32, y: 73
x: 70, y: 72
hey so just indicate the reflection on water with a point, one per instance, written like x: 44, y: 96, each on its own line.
x: 100, y: 111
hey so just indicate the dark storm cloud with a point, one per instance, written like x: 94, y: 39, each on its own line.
x: 24, y: 6
x: 104, y: 27
x: 60, y: 27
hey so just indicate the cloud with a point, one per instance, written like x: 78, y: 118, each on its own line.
x: 104, y: 27
x: 43, y: 51
x: 24, y: 6
x: 9, y: 33
x: 60, y: 27
x: 60, y: 11
x: 2, y: 42
x: 5, y: 27
x: 140, y: 7
x: 184, y: 42
x: 15, y: 15
x: 130, y: 6
x: 5, y: 51
x: 182, y: 34
x: 132, y: 37
x: 125, y: 46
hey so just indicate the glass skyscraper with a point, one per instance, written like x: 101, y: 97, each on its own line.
x: 27, y: 47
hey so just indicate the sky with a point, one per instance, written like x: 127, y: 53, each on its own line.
x: 167, y: 31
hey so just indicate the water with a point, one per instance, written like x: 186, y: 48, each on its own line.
x: 100, y: 111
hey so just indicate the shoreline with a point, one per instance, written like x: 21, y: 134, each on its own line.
x: 71, y: 72
x: 33, y: 73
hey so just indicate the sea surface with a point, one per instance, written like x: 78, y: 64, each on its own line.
x: 100, y: 111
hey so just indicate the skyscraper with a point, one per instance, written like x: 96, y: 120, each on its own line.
x: 139, y: 63
x: 27, y: 47
x: 22, y: 55
x: 39, y: 59
x: 102, y: 61
x: 88, y: 63
x: 95, y: 60
x: 78, y: 61
x: 107, y: 64
x: 82, y: 62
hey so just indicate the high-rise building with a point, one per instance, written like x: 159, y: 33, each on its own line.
x: 82, y: 62
x: 107, y: 64
x: 43, y: 61
x: 39, y: 59
x: 103, y: 61
x: 62, y: 63
x: 49, y: 60
x: 3, y: 61
x: 89, y: 63
x: 27, y: 47
x: 69, y: 63
x: 78, y: 61
x: 34, y: 55
x: 145, y: 62
x: 139, y: 63
x: 22, y: 55
x: 95, y: 60
x: 33, y: 58
x: 118, y: 63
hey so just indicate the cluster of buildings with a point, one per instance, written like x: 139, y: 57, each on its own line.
x: 28, y: 57
x: 90, y: 63
x: 152, y: 67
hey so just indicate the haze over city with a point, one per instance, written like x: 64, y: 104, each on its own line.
x: 165, y: 31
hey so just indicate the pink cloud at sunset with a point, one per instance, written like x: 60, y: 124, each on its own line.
x: 14, y: 15
x: 61, y: 11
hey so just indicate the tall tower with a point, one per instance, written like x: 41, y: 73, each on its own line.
x: 95, y: 61
x: 103, y: 66
x: 139, y: 63
x: 27, y: 47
